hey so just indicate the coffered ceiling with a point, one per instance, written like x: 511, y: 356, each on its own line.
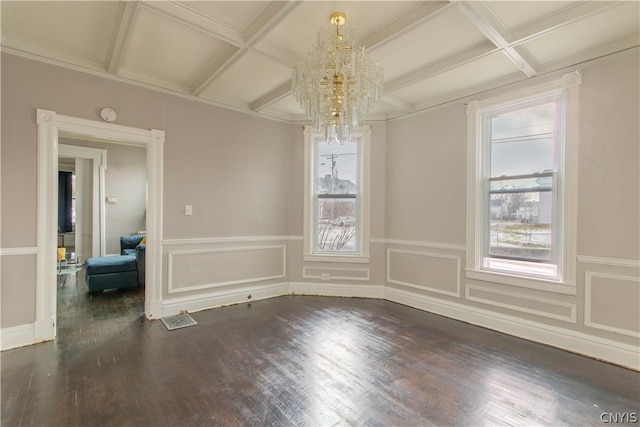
x: 239, y: 54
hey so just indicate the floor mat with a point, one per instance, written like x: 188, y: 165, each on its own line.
x: 178, y: 321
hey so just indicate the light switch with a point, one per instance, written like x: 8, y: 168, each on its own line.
x: 112, y: 200
x: 188, y: 210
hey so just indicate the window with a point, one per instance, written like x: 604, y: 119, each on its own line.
x: 336, y: 198
x: 521, y: 187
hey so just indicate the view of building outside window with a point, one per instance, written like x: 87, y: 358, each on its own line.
x: 521, y: 184
x: 336, y: 188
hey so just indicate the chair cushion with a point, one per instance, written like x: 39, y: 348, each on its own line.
x: 111, y: 264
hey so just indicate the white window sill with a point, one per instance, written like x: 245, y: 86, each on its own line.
x: 522, y: 281
x: 357, y: 259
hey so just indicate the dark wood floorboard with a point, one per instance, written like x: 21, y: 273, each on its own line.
x: 297, y: 361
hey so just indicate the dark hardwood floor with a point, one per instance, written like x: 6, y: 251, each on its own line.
x: 298, y: 361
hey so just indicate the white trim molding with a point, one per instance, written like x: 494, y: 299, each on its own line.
x: 571, y: 308
x: 456, y: 258
x: 223, y: 297
x: 361, y: 253
x: 615, y: 262
x: 565, y: 91
x: 327, y: 273
x: 33, y: 250
x: 17, y: 336
x: 588, y: 302
x: 573, y: 341
x: 51, y: 125
x: 172, y: 289
x: 337, y: 290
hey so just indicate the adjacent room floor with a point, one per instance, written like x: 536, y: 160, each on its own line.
x: 298, y: 361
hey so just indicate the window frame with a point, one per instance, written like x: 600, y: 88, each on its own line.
x: 311, y: 253
x: 565, y: 90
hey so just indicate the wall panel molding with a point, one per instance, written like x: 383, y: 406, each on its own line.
x: 30, y: 250
x: 632, y: 281
x: 335, y: 273
x: 227, y: 240
x: 239, y: 277
x: 566, y: 339
x: 615, y: 262
x: 569, y: 308
x: 426, y: 255
x: 427, y: 244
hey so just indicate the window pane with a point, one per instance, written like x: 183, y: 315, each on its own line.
x: 522, y: 141
x: 521, y: 225
x: 336, y: 225
x: 337, y: 168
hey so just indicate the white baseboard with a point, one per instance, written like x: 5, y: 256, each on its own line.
x: 573, y: 341
x: 221, y: 298
x: 336, y: 290
x: 17, y: 336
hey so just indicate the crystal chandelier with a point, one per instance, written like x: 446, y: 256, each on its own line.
x: 336, y: 84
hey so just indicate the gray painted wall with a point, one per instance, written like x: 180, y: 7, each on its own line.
x: 243, y: 176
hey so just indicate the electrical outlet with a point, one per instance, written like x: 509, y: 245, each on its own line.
x: 188, y: 210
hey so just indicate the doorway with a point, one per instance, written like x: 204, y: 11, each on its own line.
x: 51, y: 126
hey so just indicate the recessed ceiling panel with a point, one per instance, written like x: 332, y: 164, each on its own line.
x: 166, y: 50
x: 445, y: 35
x: 81, y: 30
x: 517, y: 14
x: 615, y: 24
x: 475, y: 73
x: 248, y: 79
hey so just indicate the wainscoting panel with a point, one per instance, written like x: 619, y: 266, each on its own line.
x: 428, y: 271
x: 544, y: 307
x: 611, y: 303
x: 335, y: 273
x: 198, y: 269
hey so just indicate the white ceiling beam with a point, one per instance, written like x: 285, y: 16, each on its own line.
x: 273, y: 15
x: 182, y: 13
x: 216, y: 66
x: 481, y: 16
x: 122, y: 29
x: 274, y: 95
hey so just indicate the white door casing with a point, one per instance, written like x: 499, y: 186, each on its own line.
x: 50, y: 126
